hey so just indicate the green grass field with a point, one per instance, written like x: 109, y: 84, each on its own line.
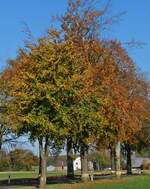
x: 34, y: 174
x: 133, y: 182
x: 26, y: 174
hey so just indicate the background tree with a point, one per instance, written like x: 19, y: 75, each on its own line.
x: 22, y: 160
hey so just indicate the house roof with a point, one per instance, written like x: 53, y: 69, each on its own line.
x: 138, y: 161
x: 57, y: 161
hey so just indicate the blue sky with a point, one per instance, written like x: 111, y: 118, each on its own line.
x: 37, y: 13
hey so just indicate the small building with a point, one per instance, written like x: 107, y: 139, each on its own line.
x: 58, y: 163
x: 137, y: 162
x: 77, y: 164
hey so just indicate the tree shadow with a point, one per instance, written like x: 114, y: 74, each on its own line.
x: 35, y: 181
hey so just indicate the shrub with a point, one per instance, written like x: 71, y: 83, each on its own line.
x: 145, y: 165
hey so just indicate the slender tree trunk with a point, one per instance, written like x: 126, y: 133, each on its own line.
x: 44, y: 153
x: 0, y: 145
x: 70, y: 169
x: 129, y: 163
x: 113, y: 156
x: 84, y: 164
x: 117, y: 160
x: 40, y: 158
x: 1, y: 141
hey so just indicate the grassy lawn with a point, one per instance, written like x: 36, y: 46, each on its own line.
x: 134, y: 182
x: 26, y: 174
x: 17, y: 175
x: 34, y: 174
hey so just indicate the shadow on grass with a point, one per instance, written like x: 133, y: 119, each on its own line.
x: 35, y: 181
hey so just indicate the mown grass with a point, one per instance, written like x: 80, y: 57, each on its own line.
x: 133, y: 182
x: 34, y: 174
x: 27, y: 174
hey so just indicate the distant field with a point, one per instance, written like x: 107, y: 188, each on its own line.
x: 134, y: 182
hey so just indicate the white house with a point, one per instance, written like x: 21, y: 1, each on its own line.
x: 50, y: 168
x: 77, y: 164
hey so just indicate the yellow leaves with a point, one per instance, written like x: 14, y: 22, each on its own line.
x: 53, y: 33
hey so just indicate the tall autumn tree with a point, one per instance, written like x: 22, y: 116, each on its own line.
x: 51, y: 95
x: 121, y: 88
x: 129, y: 94
x: 139, y: 101
x: 82, y: 24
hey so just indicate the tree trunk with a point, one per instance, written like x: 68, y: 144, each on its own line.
x: 129, y: 164
x: 113, y: 156
x: 0, y: 145
x: 1, y: 141
x: 117, y: 160
x: 70, y: 169
x: 40, y: 158
x: 44, y: 153
x: 84, y: 164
